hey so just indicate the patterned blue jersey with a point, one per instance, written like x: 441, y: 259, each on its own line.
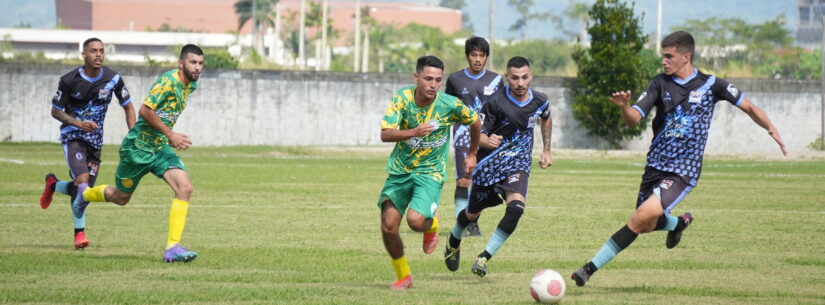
x: 684, y: 109
x: 514, y: 120
x: 473, y: 90
x: 87, y: 99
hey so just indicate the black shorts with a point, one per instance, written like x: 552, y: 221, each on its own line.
x: 669, y: 187
x: 482, y: 197
x: 82, y: 159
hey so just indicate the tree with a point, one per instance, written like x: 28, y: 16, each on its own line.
x: 459, y: 5
x: 614, y: 62
x: 264, y: 17
x: 524, y: 8
x: 574, y: 15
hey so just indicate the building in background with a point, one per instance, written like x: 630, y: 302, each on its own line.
x: 809, y: 24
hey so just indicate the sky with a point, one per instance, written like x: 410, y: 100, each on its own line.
x: 41, y: 14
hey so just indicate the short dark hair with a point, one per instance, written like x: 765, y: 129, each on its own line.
x: 90, y: 40
x: 683, y: 42
x: 517, y: 62
x: 190, y: 48
x: 476, y: 43
x: 428, y: 61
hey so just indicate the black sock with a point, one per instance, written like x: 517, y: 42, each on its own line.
x: 463, y: 221
x: 76, y: 230
x: 454, y: 242
x: 590, y: 268
x: 661, y: 222
x: 624, y: 237
x: 486, y: 255
x: 461, y: 192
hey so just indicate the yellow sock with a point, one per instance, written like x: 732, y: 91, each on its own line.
x: 177, y: 220
x: 402, y: 269
x: 434, y: 228
x: 95, y: 194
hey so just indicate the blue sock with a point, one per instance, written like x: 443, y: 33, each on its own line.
x: 63, y: 187
x: 460, y: 205
x: 670, y: 224
x: 606, y: 254
x: 79, y: 223
x: 496, y: 241
x: 458, y: 230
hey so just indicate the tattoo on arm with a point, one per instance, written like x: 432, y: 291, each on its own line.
x: 547, y: 132
x: 62, y: 116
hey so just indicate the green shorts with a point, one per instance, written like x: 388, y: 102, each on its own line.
x: 418, y: 192
x: 135, y: 163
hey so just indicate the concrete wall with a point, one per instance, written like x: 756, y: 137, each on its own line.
x: 309, y: 108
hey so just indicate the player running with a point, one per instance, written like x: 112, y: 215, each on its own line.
x: 473, y: 85
x: 505, y: 155
x: 418, y: 120
x: 684, y: 99
x: 148, y: 148
x: 80, y: 104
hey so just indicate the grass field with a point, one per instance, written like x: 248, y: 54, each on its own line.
x: 280, y: 225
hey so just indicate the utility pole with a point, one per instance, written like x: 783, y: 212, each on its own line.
x: 323, y: 58
x: 357, y: 36
x: 490, y: 31
x: 255, y: 26
x: 302, y: 59
x: 822, y: 76
x: 659, y: 27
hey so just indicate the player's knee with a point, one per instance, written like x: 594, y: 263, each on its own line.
x: 417, y: 222
x: 511, y: 217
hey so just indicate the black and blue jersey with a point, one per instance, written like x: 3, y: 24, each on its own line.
x: 684, y: 109
x: 514, y: 120
x: 473, y: 90
x: 87, y: 99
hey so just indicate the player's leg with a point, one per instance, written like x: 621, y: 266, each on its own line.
x: 515, y: 190
x: 480, y: 199
x: 462, y: 184
x: 426, y: 196
x: 180, y: 183
x: 393, y: 201
x: 81, y: 160
x: 672, y: 191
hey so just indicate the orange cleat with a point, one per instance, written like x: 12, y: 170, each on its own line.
x: 403, y: 284
x: 80, y: 240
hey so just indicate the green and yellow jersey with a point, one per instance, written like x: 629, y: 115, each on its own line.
x: 428, y: 154
x: 167, y: 97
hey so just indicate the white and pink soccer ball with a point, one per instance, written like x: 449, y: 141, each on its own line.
x: 547, y: 287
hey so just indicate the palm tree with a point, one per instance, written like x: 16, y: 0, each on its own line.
x: 264, y: 16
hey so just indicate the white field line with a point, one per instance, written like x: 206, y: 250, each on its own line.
x: 97, y: 205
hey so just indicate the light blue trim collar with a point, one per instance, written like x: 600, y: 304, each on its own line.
x: 681, y: 81
x: 483, y: 71
x: 89, y: 79
x: 516, y: 101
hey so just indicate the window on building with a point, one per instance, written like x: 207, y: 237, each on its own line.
x: 804, y: 15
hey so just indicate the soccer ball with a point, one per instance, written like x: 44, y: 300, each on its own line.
x: 547, y: 287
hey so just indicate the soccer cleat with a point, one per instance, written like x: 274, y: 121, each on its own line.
x: 472, y: 230
x: 48, y: 192
x: 178, y: 254
x: 403, y: 284
x: 480, y: 266
x: 580, y: 276
x: 673, y: 237
x: 452, y: 257
x: 80, y: 240
x: 430, y: 242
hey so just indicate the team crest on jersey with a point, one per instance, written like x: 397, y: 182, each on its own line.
x: 78, y: 156
x: 531, y: 122
x: 666, y: 184
x: 666, y: 98
x: 127, y: 182
x: 464, y: 91
x: 733, y: 91
x: 695, y: 97
x: 103, y: 94
x: 489, y: 90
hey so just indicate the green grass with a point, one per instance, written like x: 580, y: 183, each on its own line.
x: 277, y: 225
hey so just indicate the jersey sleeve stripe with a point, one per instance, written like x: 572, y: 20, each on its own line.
x: 639, y: 109
x: 741, y: 98
x: 129, y: 100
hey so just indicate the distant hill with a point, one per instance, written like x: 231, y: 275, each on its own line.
x: 41, y: 13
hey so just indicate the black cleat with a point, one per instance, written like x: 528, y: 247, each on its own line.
x: 472, y: 230
x: 480, y: 266
x: 673, y: 237
x: 580, y: 276
x: 452, y: 257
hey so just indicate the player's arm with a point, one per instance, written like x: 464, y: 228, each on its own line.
x: 470, y: 159
x: 176, y: 140
x: 759, y: 116
x: 129, y: 110
x: 630, y: 115
x: 395, y: 135
x: 546, y: 136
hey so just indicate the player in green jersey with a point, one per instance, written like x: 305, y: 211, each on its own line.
x: 148, y: 148
x: 418, y: 120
